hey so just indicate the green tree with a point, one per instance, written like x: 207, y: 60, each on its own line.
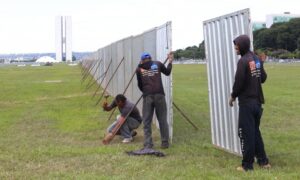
x: 202, y: 50
x: 266, y: 38
x: 284, y: 35
x: 191, y: 52
x: 298, y: 44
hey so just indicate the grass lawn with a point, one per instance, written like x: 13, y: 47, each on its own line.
x: 51, y: 129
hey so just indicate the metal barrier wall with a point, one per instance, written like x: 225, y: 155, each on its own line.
x: 122, y: 58
x: 219, y: 34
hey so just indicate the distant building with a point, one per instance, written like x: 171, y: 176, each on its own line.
x: 46, y: 59
x: 277, y: 18
x: 20, y: 58
x: 63, y: 38
x: 258, y: 25
x: 6, y: 61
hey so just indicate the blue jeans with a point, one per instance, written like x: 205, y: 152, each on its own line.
x: 155, y: 102
x: 252, y: 144
x: 125, y: 130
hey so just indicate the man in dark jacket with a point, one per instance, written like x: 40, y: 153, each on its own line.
x: 150, y: 83
x: 249, y: 76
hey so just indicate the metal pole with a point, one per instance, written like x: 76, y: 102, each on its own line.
x: 111, y: 114
x: 99, y: 86
x: 94, y: 82
x: 88, y: 84
x: 88, y: 72
x: 83, y: 64
x: 110, y: 81
x: 185, y: 116
x: 86, y: 69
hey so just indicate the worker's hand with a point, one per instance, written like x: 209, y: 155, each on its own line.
x: 231, y: 100
x: 171, y: 57
x: 104, y: 106
x: 262, y: 57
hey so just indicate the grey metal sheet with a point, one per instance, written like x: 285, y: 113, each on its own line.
x: 221, y: 65
x: 114, y: 82
x: 163, y: 47
x: 129, y: 67
x: 137, y: 49
x: 110, y: 71
x: 120, y: 76
x: 150, y: 42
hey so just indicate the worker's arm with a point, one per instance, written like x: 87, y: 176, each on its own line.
x: 163, y: 69
x: 139, y: 79
x: 107, y: 107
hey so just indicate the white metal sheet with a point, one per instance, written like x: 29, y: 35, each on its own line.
x: 219, y: 34
x: 163, y: 47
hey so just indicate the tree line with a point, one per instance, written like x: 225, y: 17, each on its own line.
x: 281, y: 40
x: 191, y: 52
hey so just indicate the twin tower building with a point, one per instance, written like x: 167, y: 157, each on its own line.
x: 63, y: 38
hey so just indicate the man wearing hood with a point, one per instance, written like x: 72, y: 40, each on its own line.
x: 150, y: 83
x: 249, y: 76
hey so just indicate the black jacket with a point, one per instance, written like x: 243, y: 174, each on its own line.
x: 149, y: 77
x: 249, y: 75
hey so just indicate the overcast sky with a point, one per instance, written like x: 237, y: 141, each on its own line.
x: 29, y: 25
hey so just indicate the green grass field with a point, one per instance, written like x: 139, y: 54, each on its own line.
x: 51, y: 129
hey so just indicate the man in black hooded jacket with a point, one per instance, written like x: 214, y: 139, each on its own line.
x: 150, y: 83
x: 249, y: 76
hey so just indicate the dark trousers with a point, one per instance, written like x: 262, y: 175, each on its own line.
x: 155, y: 102
x: 251, y: 141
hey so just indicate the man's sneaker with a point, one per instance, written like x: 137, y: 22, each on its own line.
x: 133, y: 133
x: 242, y: 169
x: 127, y: 140
x: 266, y: 166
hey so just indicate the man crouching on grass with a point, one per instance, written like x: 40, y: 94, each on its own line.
x: 132, y: 122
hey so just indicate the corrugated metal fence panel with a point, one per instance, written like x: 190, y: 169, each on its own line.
x: 129, y: 66
x: 219, y: 34
x: 102, y: 66
x: 109, y: 57
x: 137, y: 49
x: 149, y: 39
x: 113, y: 84
x: 163, y: 47
x: 94, y: 65
x: 98, y: 66
x: 120, y: 76
x: 108, y: 61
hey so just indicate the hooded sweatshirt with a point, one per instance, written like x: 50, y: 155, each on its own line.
x: 149, y: 77
x: 249, y: 75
